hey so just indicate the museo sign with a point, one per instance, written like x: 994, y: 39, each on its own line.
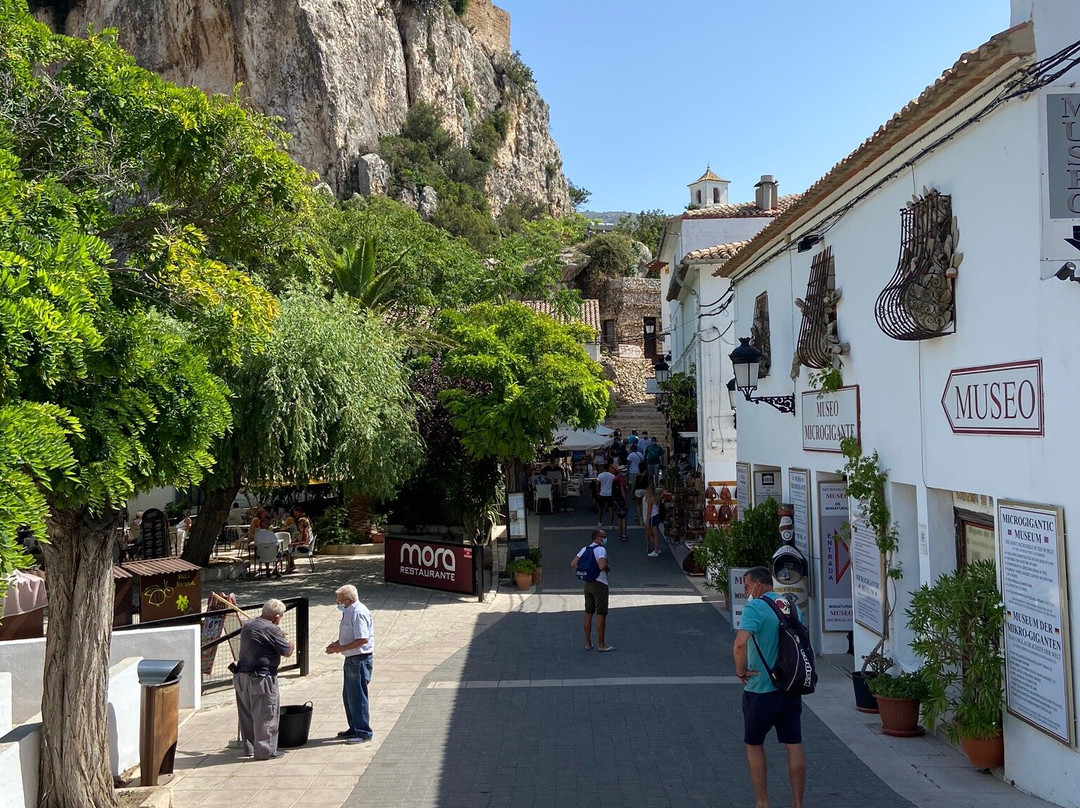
x: 1004, y: 399
x: 828, y: 418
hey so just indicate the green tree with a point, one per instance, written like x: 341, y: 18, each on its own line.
x: 144, y: 223
x: 578, y: 196
x: 536, y: 375
x: 646, y: 227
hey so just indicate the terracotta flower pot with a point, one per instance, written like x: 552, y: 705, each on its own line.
x: 985, y: 753
x: 523, y: 580
x: 899, y: 717
x: 378, y: 536
x: 537, y: 575
x: 864, y: 699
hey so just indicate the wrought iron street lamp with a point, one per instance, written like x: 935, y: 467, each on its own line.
x: 746, y: 360
x: 662, y: 371
x: 732, y: 393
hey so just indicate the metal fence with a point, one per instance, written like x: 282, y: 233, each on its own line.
x: 221, y: 637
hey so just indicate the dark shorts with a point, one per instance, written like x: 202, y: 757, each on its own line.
x: 596, y: 598
x: 763, y: 711
x: 654, y: 520
x: 605, y: 502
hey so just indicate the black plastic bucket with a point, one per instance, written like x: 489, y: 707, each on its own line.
x: 294, y: 724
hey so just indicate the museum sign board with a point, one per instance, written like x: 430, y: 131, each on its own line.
x: 1005, y: 399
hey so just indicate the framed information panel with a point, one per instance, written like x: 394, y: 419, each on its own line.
x: 836, y: 573
x: 742, y: 488
x: 1034, y: 589
x: 868, y: 586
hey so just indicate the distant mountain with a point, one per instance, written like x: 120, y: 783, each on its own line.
x: 607, y: 216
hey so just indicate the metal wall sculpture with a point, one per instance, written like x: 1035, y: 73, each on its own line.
x: 819, y: 344
x: 759, y: 333
x: 918, y: 303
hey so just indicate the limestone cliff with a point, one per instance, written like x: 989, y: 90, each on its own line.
x: 341, y: 73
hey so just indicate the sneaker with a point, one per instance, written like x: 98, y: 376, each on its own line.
x: 346, y: 733
x: 358, y: 739
x: 653, y: 554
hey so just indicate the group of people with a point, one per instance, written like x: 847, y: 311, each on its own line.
x: 756, y: 648
x: 297, y: 525
x: 630, y: 477
x: 263, y: 644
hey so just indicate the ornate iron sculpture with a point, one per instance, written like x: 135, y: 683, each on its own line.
x: 759, y: 333
x: 818, y: 343
x: 918, y: 303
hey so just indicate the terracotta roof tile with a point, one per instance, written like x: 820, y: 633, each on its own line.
x: 1009, y: 48
x: 590, y: 312
x: 720, y: 252
x: 742, y: 210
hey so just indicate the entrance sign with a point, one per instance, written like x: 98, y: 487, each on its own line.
x: 737, y: 599
x: 1004, y: 399
x: 836, y: 572
x: 828, y: 418
x: 430, y: 564
x: 869, y: 584
x: 742, y: 488
x: 1038, y: 670
x: 799, y: 494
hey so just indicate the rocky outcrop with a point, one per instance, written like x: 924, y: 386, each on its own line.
x: 341, y: 73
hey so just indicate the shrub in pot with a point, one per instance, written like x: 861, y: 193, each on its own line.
x: 522, y: 570
x: 958, y: 624
x: 748, y: 542
x: 535, y: 554
x: 898, y: 698
x: 874, y: 664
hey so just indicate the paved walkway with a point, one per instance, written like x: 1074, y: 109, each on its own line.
x: 498, y: 704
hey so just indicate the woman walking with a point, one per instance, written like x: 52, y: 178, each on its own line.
x: 652, y: 521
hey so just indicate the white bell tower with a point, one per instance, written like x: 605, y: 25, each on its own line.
x: 708, y: 190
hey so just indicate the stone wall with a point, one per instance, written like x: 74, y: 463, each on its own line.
x: 629, y: 376
x: 632, y: 300
x: 489, y: 25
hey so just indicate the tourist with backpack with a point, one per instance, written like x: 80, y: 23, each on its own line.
x: 775, y: 662
x: 592, y: 569
x: 654, y: 455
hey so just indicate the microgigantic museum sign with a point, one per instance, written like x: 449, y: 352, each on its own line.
x: 430, y: 564
x: 1005, y: 399
x: 828, y: 418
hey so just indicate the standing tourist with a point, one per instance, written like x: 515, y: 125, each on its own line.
x: 596, y: 590
x: 619, y: 499
x: 652, y: 521
x: 262, y: 645
x: 654, y: 456
x: 765, y: 707
x: 605, y: 480
x: 356, y: 641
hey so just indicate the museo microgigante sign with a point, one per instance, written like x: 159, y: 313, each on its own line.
x: 828, y: 418
x: 1005, y: 399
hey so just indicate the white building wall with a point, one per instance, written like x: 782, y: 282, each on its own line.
x: 1005, y: 312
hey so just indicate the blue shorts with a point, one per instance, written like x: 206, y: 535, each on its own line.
x: 763, y: 711
x: 654, y: 520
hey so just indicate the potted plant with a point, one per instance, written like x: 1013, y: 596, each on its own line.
x: 522, y: 569
x: 898, y: 699
x: 748, y: 542
x: 535, y: 554
x: 866, y: 483
x: 957, y: 624
x: 378, y: 527
x: 874, y: 664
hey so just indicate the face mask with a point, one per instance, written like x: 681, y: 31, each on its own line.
x: 749, y: 598
x: 604, y: 542
x: 341, y: 607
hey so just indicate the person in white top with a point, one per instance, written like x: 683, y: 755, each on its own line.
x: 604, y: 482
x: 633, y: 463
x: 643, y: 444
x: 596, y: 592
x: 265, y: 536
x: 652, y: 521
x: 356, y: 641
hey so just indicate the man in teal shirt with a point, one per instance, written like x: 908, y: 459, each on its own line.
x: 765, y: 707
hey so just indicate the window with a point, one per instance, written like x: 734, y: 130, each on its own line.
x: 648, y: 344
x: 607, y: 334
x: 716, y: 195
x: 699, y: 196
x: 975, y: 539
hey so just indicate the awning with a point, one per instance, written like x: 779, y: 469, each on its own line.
x: 581, y: 440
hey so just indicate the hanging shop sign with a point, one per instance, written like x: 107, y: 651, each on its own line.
x: 767, y: 484
x: 868, y: 585
x: 1038, y: 670
x: 799, y: 494
x: 1005, y: 399
x: 836, y: 573
x: 430, y: 564
x: 742, y: 488
x: 1061, y: 190
x: 828, y: 418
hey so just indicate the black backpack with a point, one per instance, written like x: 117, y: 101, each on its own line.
x: 795, y: 670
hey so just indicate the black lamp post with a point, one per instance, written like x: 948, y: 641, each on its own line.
x: 662, y: 371
x: 746, y: 360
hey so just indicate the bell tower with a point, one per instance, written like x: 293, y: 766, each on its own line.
x: 708, y: 190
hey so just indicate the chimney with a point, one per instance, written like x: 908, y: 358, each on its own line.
x: 766, y: 193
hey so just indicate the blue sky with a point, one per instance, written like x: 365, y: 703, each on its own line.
x: 644, y: 94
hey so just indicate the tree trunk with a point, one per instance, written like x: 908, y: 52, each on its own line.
x: 74, y: 768
x: 213, y: 513
x: 358, y: 516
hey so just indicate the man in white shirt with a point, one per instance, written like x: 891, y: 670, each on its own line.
x: 633, y: 463
x: 356, y: 641
x: 596, y: 592
x: 604, y: 482
x: 264, y: 536
x: 643, y: 444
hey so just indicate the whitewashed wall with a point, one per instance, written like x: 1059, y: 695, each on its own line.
x: 1005, y: 313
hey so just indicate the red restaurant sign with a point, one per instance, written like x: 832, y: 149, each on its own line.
x: 1002, y: 399
x: 430, y: 564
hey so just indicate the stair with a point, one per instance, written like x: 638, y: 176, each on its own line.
x: 642, y: 417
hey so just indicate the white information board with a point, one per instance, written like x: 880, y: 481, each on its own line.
x: 515, y: 504
x: 868, y: 588
x: 736, y: 596
x: 767, y: 485
x: 1038, y: 675
x: 836, y: 573
x: 742, y: 488
x: 799, y: 495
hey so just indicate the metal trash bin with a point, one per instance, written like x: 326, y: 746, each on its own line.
x: 160, y: 718
x: 294, y: 724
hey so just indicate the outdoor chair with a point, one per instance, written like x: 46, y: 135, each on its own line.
x: 308, y: 551
x: 266, y: 555
x: 543, y: 492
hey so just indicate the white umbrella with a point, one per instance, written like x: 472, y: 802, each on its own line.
x: 581, y: 440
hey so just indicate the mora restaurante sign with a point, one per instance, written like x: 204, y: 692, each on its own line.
x: 430, y: 564
x: 1004, y: 399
